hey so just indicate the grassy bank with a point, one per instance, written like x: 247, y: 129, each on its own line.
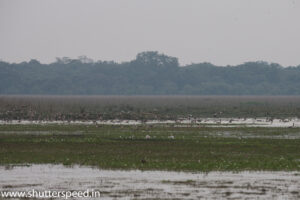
x: 125, y: 147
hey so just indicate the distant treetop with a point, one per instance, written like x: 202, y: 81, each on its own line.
x: 155, y: 59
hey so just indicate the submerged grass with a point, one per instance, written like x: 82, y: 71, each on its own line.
x: 125, y: 147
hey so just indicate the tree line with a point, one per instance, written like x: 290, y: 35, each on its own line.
x: 150, y: 73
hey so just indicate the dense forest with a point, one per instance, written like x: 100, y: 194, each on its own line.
x: 150, y: 73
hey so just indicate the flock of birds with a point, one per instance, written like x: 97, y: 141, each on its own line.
x: 148, y: 137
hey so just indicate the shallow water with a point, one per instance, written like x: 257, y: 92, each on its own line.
x: 116, y: 184
x: 219, y: 122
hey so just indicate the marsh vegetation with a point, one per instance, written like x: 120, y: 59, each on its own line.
x: 145, y: 107
x: 166, y: 148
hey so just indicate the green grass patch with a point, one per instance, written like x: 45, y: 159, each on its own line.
x: 125, y: 147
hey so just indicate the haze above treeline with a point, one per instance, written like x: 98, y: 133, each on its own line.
x: 150, y: 73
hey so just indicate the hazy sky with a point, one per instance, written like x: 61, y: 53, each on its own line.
x: 217, y: 31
